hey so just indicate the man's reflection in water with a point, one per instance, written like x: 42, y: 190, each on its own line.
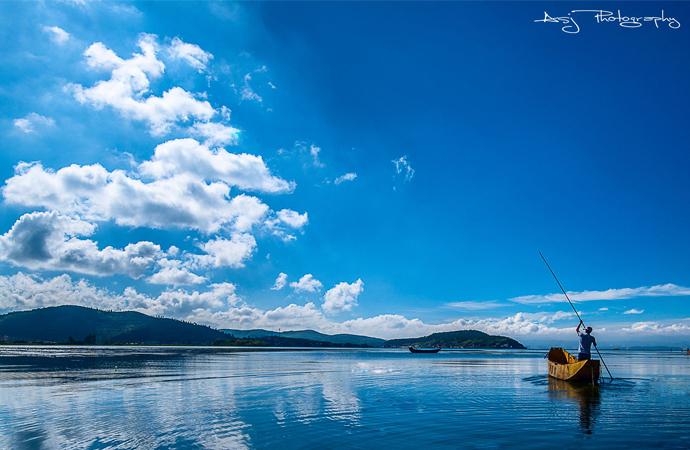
x: 586, y: 395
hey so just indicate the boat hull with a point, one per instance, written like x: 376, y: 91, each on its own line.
x: 425, y: 350
x: 564, y: 366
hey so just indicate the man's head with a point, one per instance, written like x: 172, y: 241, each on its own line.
x: 588, y: 330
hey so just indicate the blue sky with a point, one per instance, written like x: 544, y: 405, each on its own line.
x: 401, y: 164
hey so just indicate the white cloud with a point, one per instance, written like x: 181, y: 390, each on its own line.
x: 634, y: 311
x: 57, y: 34
x: 660, y: 290
x: 222, y: 252
x: 281, y: 281
x: 342, y: 297
x: 22, y: 292
x: 246, y: 212
x: 306, y: 284
x: 175, y: 276
x: 98, y: 195
x: 395, y: 326
x: 247, y: 93
x: 282, y: 223
x: 50, y: 241
x: 403, y: 168
x: 192, y: 54
x: 314, y: 151
x: 173, y: 200
x: 470, y: 305
x: 215, y: 134
x: 350, y: 176
x: 293, y: 219
x: 187, y: 156
x: 657, y: 328
x: 33, y: 122
x: 127, y: 90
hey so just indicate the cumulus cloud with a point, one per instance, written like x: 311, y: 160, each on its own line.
x: 657, y: 328
x: 660, y: 290
x: 306, y: 284
x: 284, y: 222
x: 342, y: 297
x: 293, y: 219
x: 403, y: 168
x: 128, y: 88
x: 175, y: 276
x: 192, y: 54
x: 57, y: 34
x: 281, y: 281
x: 350, y: 176
x: 96, y: 194
x: 184, y: 185
x: 170, y: 200
x: 395, y: 325
x: 246, y: 212
x: 634, y: 311
x: 21, y: 292
x: 33, y: 122
x: 50, y: 241
x: 223, y: 252
x: 187, y: 156
x: 550, y: 317
x: 215, y: 134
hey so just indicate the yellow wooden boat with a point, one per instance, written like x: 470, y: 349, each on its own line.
x: 564, y: 366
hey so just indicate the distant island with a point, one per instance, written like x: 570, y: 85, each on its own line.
x: 78, y: 325
x: 458, y: 339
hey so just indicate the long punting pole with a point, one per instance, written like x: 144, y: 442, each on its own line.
x: 574, y: 310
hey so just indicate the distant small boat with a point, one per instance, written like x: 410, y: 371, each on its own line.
x: 424, y: 350
x: 564, y: 366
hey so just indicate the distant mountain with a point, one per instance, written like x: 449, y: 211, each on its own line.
x: 76, y: 324
x: 340, y: 339
x: 79, y: 325
x: 458, y: 339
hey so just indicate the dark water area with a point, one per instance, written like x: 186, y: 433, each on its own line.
x: 193, y: 398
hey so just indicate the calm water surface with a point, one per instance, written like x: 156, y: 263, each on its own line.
x: 148, y: 398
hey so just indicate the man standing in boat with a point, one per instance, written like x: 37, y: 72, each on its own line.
x: 586, y: 341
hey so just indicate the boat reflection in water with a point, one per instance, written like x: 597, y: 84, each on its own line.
x: 586, y: 395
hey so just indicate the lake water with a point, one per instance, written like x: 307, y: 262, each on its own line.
x: 163, y: 397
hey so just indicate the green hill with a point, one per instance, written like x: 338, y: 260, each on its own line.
x: 76, y: 324
x: 79, y: 325
x: 339, y: 339
x: 458, y: 339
